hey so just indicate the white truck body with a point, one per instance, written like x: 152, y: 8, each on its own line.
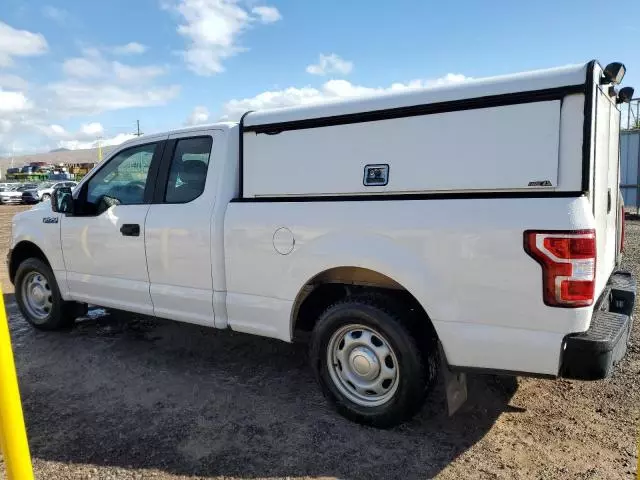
x: 285, y: 208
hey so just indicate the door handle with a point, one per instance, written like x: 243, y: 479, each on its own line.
x: 130, y: 230
x: 608, y: 200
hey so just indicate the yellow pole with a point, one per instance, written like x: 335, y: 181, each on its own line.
x: 99, y: 150
x: 13, y: 436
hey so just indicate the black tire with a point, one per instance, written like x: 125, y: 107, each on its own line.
x: 416, y: 358
x: 62, y: 314
x: 45, y: 197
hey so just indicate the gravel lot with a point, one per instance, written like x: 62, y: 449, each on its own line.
x: 125, y: 397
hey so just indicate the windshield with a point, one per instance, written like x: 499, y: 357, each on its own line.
x: 45, y: 185
x: 25, y: 187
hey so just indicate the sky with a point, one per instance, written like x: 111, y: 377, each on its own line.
x: 75, y: 72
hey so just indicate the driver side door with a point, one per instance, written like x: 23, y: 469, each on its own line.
x: 103, y: 242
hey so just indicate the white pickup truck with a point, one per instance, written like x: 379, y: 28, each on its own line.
x: 475, y: 227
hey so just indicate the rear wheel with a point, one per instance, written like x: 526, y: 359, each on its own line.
x: 39, y: 299
x: 368, y: 362
x: 45, y: 197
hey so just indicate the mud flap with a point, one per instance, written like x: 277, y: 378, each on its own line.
x: 455, y: 384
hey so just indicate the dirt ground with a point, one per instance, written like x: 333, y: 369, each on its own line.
x: 125, y: 397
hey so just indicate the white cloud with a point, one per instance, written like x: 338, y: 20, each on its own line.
x: 5, y: 125
x: 13, y: 102
x: 267, y: 14
x: 127, y: 73
x: 105, y: 142
x: 56, y: 14
x: 131, y: 48
x: 19, y: 43
x: 448, y: 79
x: 198, y: 116
x: 76, y: 98
x: 93, y: 129
x: 12, y: 82
x: 92, y: 52
x: 87, y: 131
x: 89, y: 135
x: 92, y: 85
x: 330, y: 91
x: 94, y: 65
x: 83, y: 67
x: 58, y: 130
x: 328, y: 64
x: 212, y: 29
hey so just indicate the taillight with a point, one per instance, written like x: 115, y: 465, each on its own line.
x: 568, y: 261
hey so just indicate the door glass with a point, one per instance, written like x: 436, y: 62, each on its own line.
x: 188, y: 172
x: 122, y: 181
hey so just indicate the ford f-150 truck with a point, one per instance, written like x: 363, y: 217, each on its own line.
x: 467, y: 228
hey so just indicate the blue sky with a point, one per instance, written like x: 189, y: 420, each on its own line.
x: 72, y: 71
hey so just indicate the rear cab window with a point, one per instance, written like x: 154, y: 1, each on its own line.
x: 188, y: 169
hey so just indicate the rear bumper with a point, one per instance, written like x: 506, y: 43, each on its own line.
x: 592, y: 355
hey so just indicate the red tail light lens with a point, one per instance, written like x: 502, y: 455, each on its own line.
x: 568, y: 261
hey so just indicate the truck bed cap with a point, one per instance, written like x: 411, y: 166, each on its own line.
x: 568, y: 76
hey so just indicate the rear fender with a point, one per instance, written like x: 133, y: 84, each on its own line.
x: 372, y: 252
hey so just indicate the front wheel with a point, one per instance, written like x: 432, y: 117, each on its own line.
x: 38, y: 297
x: 368, y: 362
x: 45, y: 197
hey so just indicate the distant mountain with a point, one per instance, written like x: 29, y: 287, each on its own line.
x: 62, y: 149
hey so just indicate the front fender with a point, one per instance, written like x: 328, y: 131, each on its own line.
x: 41, y: 227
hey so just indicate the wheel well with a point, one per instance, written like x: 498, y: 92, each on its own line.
x: 335, y: 284
x: 21, y: 252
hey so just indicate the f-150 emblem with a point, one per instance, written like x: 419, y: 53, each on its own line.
x: 50, y: 220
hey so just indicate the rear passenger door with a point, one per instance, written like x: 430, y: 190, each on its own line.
x: 178, y: 231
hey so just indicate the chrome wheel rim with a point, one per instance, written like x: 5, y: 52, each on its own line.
x: 363, y: 365
x: 37, y: 296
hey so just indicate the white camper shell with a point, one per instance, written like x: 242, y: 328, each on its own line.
x: 517, y: 133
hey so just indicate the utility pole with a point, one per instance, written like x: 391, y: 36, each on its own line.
x: 139, y: 132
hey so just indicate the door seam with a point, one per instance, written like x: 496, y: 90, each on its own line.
x: 146, y: 257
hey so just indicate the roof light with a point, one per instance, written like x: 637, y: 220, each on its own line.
x: 625, y: 95
x: 614, y: 73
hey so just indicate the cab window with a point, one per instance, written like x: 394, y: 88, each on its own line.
x: 122, y: 181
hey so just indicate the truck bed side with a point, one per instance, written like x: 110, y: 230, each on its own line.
x: 463, y: 260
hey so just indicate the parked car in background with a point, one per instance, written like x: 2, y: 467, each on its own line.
x: 43, y: 191
x: 14, y: 196
x: 5, y: 187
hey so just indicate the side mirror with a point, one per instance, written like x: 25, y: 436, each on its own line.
x: 62, y: 200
